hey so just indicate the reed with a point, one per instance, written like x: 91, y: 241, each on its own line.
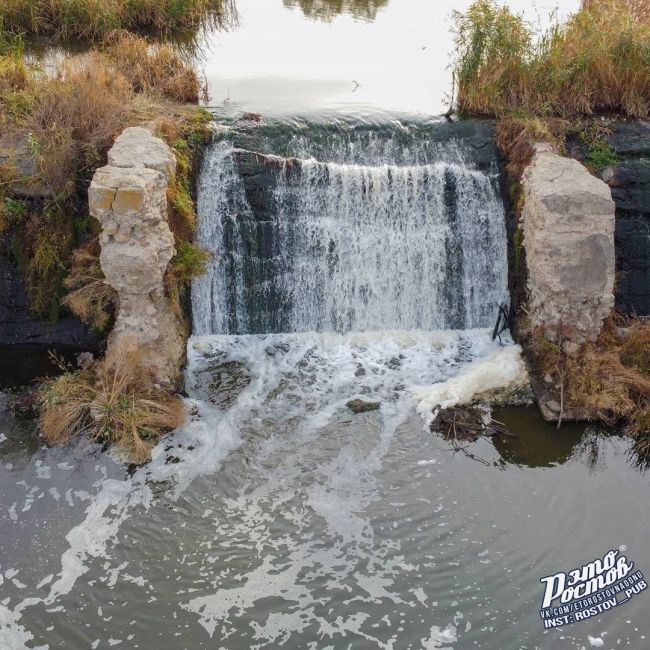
x: 596, y: 62
x: 94, y: 19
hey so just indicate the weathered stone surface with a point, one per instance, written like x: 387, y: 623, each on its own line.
x: 137, y: 147
x: 568, y: 227
x: 137, y: 245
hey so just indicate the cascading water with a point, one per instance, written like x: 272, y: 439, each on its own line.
x: 300, y: 244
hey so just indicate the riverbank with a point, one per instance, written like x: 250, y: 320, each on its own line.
x: 544, y: 88
x: 95, y: 19
x: 57, y: 128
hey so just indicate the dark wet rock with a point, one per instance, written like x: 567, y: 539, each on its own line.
x: 251, y: 117
x: 227, y: 381
x: 633, y: 260
x: 476, y: 135
x: 24, y: 404
x: 19, y: 326
x: 629, y: 181
x: 272, y: 350
x: 362, y: 406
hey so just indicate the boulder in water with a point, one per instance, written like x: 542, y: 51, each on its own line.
x: 362, y: 406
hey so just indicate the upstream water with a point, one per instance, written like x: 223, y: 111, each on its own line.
x: 357, y: 253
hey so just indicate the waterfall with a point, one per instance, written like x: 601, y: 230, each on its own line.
x: 300, y: 244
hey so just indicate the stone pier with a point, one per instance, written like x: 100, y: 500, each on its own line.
x: 129, y: 198
x: 568, y: 228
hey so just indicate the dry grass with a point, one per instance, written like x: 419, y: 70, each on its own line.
x: 70, y: 119
x: 609, y: 379
x: 515, y: 137
x: 639, y: 8
x: 153, y: 67
x: 121, y: 406
x: 93, y: 19
x: 90, y: 297
x: 78, y: 114
x: 597, y: 62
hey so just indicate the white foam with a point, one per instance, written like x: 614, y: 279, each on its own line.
x: 439, y: 637
x: 502, y: 368
x: 14, y: 636
x: 300, y: 382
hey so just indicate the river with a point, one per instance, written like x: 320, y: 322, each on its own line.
x: 359, y: 249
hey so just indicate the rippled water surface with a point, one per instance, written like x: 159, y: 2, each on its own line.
x: 277, y: 518
x: 366, y: 57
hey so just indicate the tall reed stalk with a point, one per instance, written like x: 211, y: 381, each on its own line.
x: 92, y: 19
x: 596, y: 62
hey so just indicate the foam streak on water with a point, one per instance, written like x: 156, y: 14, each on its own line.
x: 302, y: 508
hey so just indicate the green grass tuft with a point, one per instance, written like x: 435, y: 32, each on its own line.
x: 600, y: 155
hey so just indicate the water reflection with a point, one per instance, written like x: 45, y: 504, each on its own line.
x: 538, y: 443
x: 329, y: 9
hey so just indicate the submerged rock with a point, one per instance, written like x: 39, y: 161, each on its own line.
x: 362, y: 406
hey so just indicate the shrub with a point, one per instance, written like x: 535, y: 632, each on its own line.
x: 121, y: 406
x: 598, y: 61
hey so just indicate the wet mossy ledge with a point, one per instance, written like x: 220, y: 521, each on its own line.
x: 578, y: 90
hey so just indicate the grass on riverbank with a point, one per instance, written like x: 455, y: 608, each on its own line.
x: 94, y: 19
x: 598, y: 61
x: 608, y: 380
x: 68, y: 120
x: 121, y: 406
